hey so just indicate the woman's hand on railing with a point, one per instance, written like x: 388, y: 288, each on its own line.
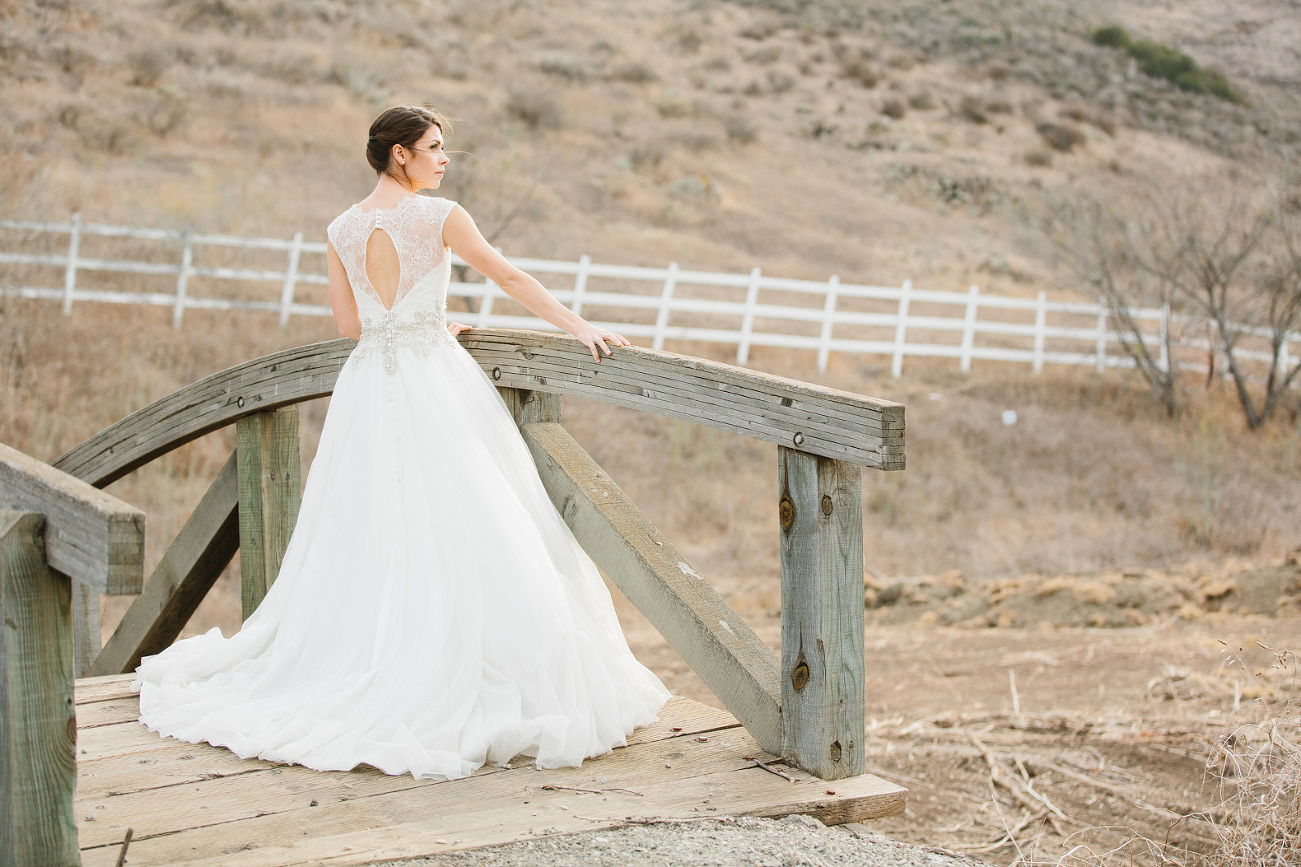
x: 592, y: 337
x: 455, y: 328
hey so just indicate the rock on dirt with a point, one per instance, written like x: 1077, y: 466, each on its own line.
x: 795, y: 841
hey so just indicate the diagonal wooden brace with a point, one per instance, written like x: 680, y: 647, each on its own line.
x: 711, y: 637
x: 186, y: 573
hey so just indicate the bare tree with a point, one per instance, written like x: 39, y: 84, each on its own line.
x: 1107, y: 245
x: 1224, y: 250
x: 1214, y: 248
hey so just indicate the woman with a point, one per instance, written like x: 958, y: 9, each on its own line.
x: 433, y: 612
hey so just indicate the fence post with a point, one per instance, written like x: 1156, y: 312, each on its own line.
x: 38, y: 725
x: 1101, y: 352
x: 828, y: 319
x: 270, y: 494
x: 291, y: 278
x: 70, y: 273
x: 1040, y: 321
x: 969, y: 328
x: 901, y: 329
x: 580, y: 284
x: 747, y: 317
x: 822, y: 666
x: 183, y: 279
x: 666, y: 298
x: 1164, y: 362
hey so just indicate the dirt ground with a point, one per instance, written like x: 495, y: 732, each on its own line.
x: 1020, y: 744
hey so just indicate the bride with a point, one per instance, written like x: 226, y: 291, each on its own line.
x: 433, y: 612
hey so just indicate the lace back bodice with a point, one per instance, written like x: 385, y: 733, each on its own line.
x: 418, y: 316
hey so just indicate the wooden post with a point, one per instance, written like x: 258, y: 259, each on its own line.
x: 1040, y: 322
x: 969, y: 328
x: 1164, y: 361
x: 86, y: 641
x: 828, y: 321
x: 70, y: 272
x: 1100, y: 357
x: 291, y: 278
x: 183, y: 279
x: 580, y: 284
x: 747, y: 317
x: 821, y: 516
x: 270, y: 493
x: 901, y: 329
x: 38, y: 727
x: 666, y: 299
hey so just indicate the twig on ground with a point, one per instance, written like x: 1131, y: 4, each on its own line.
x: 769, y: 768
x: 554, y: 788
x: 126, y: 841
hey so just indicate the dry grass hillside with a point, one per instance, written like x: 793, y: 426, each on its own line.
x: 878, y: 141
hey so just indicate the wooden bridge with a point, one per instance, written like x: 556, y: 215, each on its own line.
x: 78, y: 770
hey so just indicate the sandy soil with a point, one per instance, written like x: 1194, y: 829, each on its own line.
x: 1111, y: 726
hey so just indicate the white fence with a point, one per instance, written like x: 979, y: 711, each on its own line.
x: 662, y: 304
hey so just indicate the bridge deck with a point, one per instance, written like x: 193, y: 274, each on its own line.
x: 198, y: 804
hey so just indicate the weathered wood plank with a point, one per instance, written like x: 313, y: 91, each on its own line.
x: 92, y: 689
x: 90, y: 535
x: 347, y: 827
x: 38, y: 727
x: 270, y: 494
x: 712, y: 393
x: 861, y: 429
x: 280, y: 379
x: 182, y: 578
x: 687, y: 611
x: 821, y: 517
x: 168, y: 762
x: 85, y: 627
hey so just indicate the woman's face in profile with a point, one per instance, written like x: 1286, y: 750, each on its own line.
x: 426, y: 162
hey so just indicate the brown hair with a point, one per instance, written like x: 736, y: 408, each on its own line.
x: 400, y: 125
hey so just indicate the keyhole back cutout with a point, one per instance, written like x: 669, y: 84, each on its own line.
x: 383, y: 268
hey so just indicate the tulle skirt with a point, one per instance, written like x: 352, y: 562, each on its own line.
x: 433, y: 612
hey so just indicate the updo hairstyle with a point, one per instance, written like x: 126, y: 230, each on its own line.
x: 400, y: 125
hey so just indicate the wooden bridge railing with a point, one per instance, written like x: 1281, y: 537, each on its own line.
x: 807, y: 706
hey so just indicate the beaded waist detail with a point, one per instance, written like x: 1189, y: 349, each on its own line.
x: 421, y: 330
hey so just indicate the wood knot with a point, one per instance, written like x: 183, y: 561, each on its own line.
x: 800, y: 675
x: 786, y: 512
x: 496, y: 373
x: 826, y: 505
x: 835, y: 751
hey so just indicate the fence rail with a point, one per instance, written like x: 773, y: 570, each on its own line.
x: 823, y: 317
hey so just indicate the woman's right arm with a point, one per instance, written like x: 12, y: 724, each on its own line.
x: 342, y: 301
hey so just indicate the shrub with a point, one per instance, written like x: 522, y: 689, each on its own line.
x: 860, y: 69
x: 739, y: 129
x: 894, y: 108
x: 1060, y: 136
x: 1039, y: 158
x: 535, y: 109
x: 972, y: 109
x: 1111, y: 36
x: 780, y: 81
x: 922, y: 100
x: 634, y: 73
x: 148, y: 66
x: 1163, y: 61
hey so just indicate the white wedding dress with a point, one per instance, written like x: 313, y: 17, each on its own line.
x: 433, y: 612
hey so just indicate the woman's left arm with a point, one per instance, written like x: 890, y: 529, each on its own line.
x: 463, y: 236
